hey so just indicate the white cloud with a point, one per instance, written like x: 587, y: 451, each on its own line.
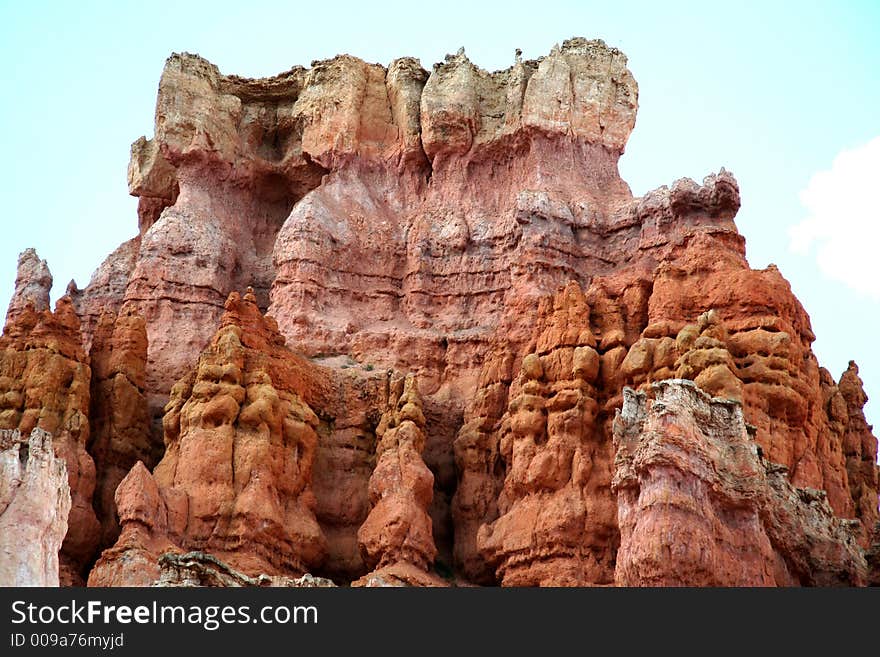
x: 844, y: 219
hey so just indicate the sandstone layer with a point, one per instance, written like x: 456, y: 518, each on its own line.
x: 34, y: 504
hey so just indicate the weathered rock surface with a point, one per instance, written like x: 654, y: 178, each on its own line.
x: 44, y: 383
x: 105, y: 291
x: 860, y: 450
x: 466, y: 227
x: 345, y: 458
x: 146, y: 526
x: 769, y: 338
x: 554, y: 525
x: 235, y: 479
x: 33, y: 281
x: 195, y: 569
x: 346, y: 190
x: 698, y: 505
x: 398, y: 529
x: 34, y: 504
x: 118, y: 414
x: 872, y: 556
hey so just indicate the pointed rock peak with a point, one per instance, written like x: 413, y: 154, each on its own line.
x: 851, y: 386
x: 138, y: 478
x: 258, y: 331
x: 33, y: 281
x: 32, y: 267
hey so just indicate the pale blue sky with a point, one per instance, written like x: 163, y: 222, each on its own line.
x: 771, y: 91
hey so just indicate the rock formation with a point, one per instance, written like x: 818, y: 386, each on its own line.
x: 146, y: 527
x: 467, y: 228
x: 860, y: 450
x: 32, y: 284
x: 120, y: 423
x: 872, y: 556
x: 195, y: 569
x: 34, y: 504
x: 698, y: 505
x: 396, y: 539
x: 344, y: 460
x: 44, y: 383
x: 554, y: 524
x: 239, y: 447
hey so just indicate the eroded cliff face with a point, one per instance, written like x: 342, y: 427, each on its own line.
x: 119, y: 417
x: 44, y: 384
x: 453, y: 241
x: 554, y: 524
x: 34, y: 506
x: 699, y: 506
x: 240, y: 442
x: 382, y: 213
